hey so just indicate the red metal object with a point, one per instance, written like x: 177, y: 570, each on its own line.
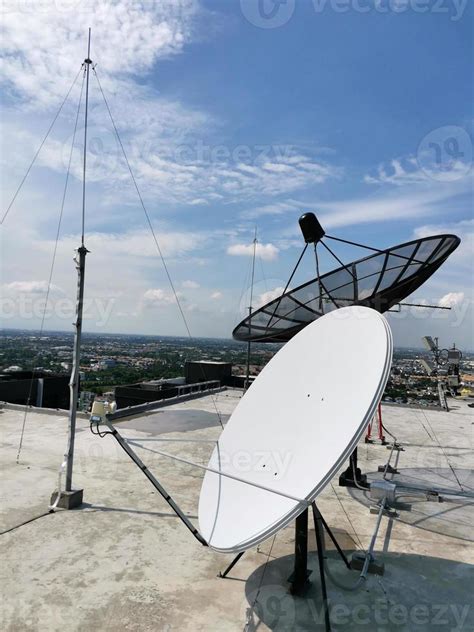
x: 378, y: 419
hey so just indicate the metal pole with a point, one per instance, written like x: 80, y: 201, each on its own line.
x: 87, y: 62
x: 74, y: 381
x: 334, y: 541
x: 320, y: 289
x: 370, y: 553
x: 299, y: 578
x: 80, y: 266
x: 231, y: 565
x: 213, y: 470
x: 319, y: 532
x: 247, y: 381
x: 247, y: 376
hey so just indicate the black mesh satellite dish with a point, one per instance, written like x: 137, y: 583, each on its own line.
x: 380, y: 281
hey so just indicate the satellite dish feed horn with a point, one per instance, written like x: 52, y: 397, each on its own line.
x: 311, y: 228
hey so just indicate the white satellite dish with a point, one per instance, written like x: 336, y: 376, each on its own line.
x: 295, y: 426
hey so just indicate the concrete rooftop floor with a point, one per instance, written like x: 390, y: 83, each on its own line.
x: 124, y: 561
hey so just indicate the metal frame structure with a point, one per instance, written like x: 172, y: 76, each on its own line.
x: 123, y: 443
x: 389, y: 275
x: 378, y: 420
x: 299, y: 578
x: 449, y: 358
x: 126, y: 444
x: 381, y: 298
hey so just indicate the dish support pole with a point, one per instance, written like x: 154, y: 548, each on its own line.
x: 299, y: 579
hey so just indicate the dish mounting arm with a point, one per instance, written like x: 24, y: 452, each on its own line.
x: 154, y: 481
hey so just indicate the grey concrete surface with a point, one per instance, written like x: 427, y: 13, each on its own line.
x: 125, y: 562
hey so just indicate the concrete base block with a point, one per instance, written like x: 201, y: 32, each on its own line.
x: 68, y: 500
x: 346, y: 479
x: 375, y: 567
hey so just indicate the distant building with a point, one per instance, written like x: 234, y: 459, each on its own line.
x: 107, y: 363
x: 86, y: 399
x: 199, y: 376
x: 40, y: 388
x: 205, y: 370
x: 103, y: 365
x: 150, y: 391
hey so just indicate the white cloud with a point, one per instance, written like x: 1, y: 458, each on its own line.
x: 155, y: 133
x: 452, y: 299
x: 133, y: 243
x: 164, y: 138
x: 451, y: 286
x: 418, y: 193
x: 120, y: 269
x: 265, y: 297
x: 47, y: 39
x: 32, y: 287
x: 398, y: 172
x: 277, y: 208
x: 165, y: 173
x: 464, y: 229
x: 267, y: 252
x: 216, y: 296
x: 157, y: 297
x: 407, y: 171
x: 190, y: 285
x: 410, y: 204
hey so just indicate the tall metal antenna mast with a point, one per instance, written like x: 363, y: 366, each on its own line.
x: 247, y: 380
x: 72, y: 498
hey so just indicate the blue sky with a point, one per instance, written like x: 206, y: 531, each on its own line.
x: 360, y: 111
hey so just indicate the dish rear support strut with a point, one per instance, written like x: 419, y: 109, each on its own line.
x: 154, y: 481
x: 299, y: 579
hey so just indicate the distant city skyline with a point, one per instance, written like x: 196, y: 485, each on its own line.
x: 444, y: 343
x: 234, y: 118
